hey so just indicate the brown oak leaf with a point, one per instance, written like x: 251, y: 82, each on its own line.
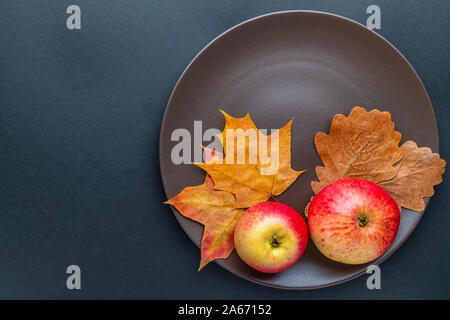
x: 418, y: 172
x: 363, y: 145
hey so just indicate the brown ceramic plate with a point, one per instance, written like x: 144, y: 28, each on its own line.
x: 306, y: 65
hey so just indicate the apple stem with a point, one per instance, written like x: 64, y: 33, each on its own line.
x: 273, y: 198
x: 362, y: 221
x: 276, y: 242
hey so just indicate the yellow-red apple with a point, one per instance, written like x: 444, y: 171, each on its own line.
x: 271, y: 236
x: 353, y: 221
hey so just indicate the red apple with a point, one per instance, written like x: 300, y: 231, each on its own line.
x: 271, y: 236
x: 353, y: 221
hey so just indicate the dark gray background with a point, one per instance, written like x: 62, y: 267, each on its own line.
x: 80, y: 115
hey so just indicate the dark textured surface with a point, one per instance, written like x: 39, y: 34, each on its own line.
x: 80, y: 115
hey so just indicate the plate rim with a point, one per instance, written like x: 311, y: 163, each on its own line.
x: 178, y: 216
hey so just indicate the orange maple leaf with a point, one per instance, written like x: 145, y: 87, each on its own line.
x: 215, y: 209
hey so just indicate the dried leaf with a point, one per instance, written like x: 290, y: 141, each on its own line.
x: 285, y: 175
x: 307, y: 207
x: 364, y: 145
x: 245, y: 181
x: 233, y: 123
x: 212, y: 155
x: 418, y: 172
x: 214, y: 209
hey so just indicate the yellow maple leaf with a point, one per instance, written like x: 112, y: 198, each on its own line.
x: 248, y: 181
